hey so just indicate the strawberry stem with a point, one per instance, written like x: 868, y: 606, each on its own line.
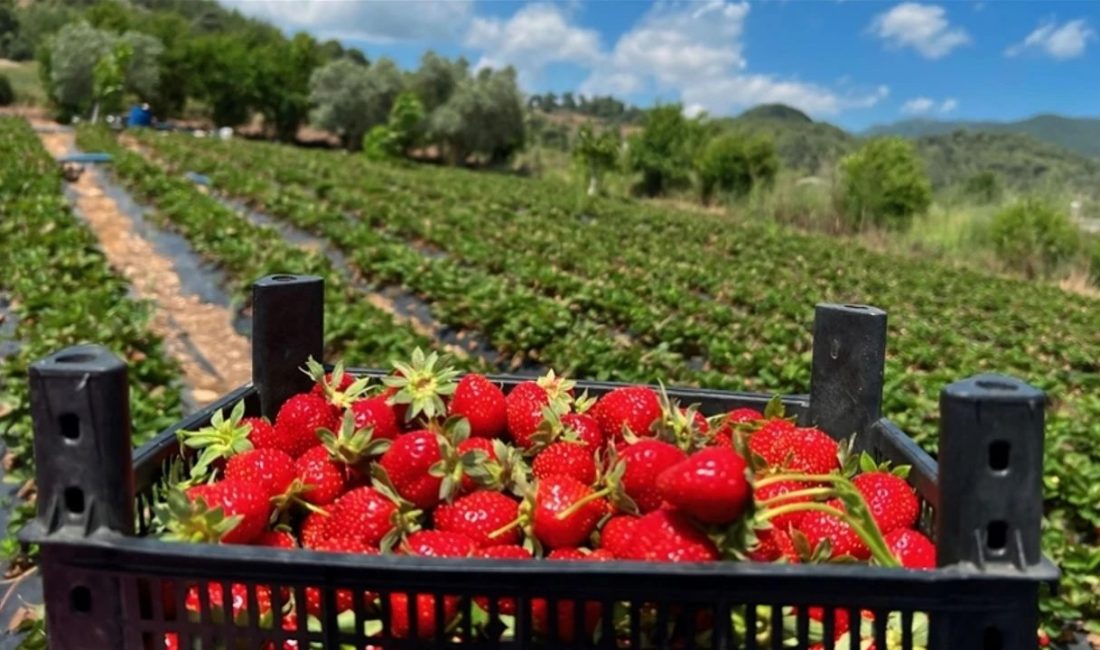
x: 874, y: 541
x: 505, y: 528
x: 797, y: 494
x: 803, y: 478
x: 580, y: 503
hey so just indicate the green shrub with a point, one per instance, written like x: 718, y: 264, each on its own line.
x: 984, y: 187
x: 1094, y: 259
x: 7, y: 93
x: 733, y: 163
x: 1034, y: 237
x: 883, y: 185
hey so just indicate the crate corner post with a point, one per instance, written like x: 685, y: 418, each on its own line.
x: 287, y: 329
x: 849, y: 357
x: 991, y: 505
x: 80, y: 411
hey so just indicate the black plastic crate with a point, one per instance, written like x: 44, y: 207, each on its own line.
x: 108, y: 586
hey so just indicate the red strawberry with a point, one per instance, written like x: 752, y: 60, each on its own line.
x: 324, y: 479
x: 566, y: 614
x: 235, y: 498
x: 363, y: 514
x: 762, y: 441
x: 439, y: 543
x: 667, y: 535
x: 484, y: 445
x: 482, y: 403
x: 261, y: 434
x: 374, y: 413
x: 631, y: 407
x: 644, y: 461
x: 723, y: 433
x: 523, y: 409
x: 912, y: 549
x: 743, y: 415
x: 617, y: 535
x: 568, y: 458
x: 710, y: 485
x: 346, y: 380
x: 892, y: 502
x: 698, y: 421
x: 238, y: 597
x: 774, y: 543
x: 840, y: 619
x: 313, y: 529
x: 425, y: 615
x: 563, y: 494
x: 586, y: 428
x: 774, y: 490
x: 806, y: 449
x: 277, y: 539
x: 298, y: 420
x: 271, y: 469
x: 505, y: 606
x: 843, y: 540
x: 344, y: 597
x: 408, y: 462
x: 478, y: 514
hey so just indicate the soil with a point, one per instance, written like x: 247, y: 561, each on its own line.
x: 214, y: 357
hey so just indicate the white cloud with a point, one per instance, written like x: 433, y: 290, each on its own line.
x: 1066, y: 41
x: 534, y: 37
x: 925, y: 105
x: 376, y: 22
x: 695, y: 53
x: 924, y: 28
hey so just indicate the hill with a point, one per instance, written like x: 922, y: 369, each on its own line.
x: 802, y: 143
x: 1078, y: 134
x: 1024, y: 163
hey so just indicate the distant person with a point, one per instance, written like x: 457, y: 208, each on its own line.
x: 140, y: 115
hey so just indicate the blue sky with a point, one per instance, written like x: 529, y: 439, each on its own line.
x: 852, y: 63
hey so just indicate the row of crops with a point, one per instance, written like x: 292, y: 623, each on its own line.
x: 629, y: 291
x: 61, y: 291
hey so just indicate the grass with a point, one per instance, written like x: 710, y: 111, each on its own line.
x: 24, y: 80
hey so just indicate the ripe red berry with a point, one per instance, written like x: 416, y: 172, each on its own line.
x: 912, y: 549
x: 773, y: 491
x: 892, y: 502
x: 438, y: 543
x: 644, y: 461
x: 271, y: 469
x: 324, y: 478
x: 568, y: 458
x: 363, y: 515
x: 819, y: 527
x: 762, y: 441
x: 667, y: 535
x: 380, y: 417
x: 482, y: 403
x: 408, y: 463
x: 631, y: 407
x: 236, y: 498
x: 617, y: 535
x: 477, y: 515
x: 299, y: 419
x: 523, y: 409
x: 710, y: 485
x: 560, y: 494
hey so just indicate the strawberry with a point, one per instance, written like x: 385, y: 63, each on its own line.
x: 568, y: 458
x: 762, y: 441
x: 342, y: 385
x: 421, y: 385
x: 710, y: 485
x: 230, y: 511
x: 820, y: 527
x: 722, y: 435
x: 566, y: 614
x: 600, y: 554
x: 276, y: 539
x: 485, y: 446
x: 344, y: 597
x: 892, y: 502
x: 299, y: 419
x: 271, y: 469
x: 778, y: 489
x: 912, y: 549
x: 806, y: 449
x: 617, y: 534
x: 586, y: 428
x: 633, y: 408
x: 482, y: 403
x: 564, y: 512
x: 425, y: 617
x: 260, y: 433
x: 221, y: 439
x: 523, y: 411
x: 644, y: 461
x: 743, y: 415
x: 438, y: 543
x: 364, y: 515
x: 478, y: 514
x: 312, y: 531
x: 238, y: 596
x: 409, y: 462
x: 667, y: 535
x: 505, y: 606
x: 322, y: 478
x: 375, y: 414
x: 338, y: 388
x: 774, y: 544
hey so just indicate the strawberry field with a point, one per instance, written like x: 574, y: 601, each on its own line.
x: 596, y: 289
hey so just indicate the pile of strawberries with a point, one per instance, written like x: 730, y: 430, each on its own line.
x: 428, y: 462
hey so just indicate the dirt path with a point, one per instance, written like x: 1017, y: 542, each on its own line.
x: 200, y: 335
